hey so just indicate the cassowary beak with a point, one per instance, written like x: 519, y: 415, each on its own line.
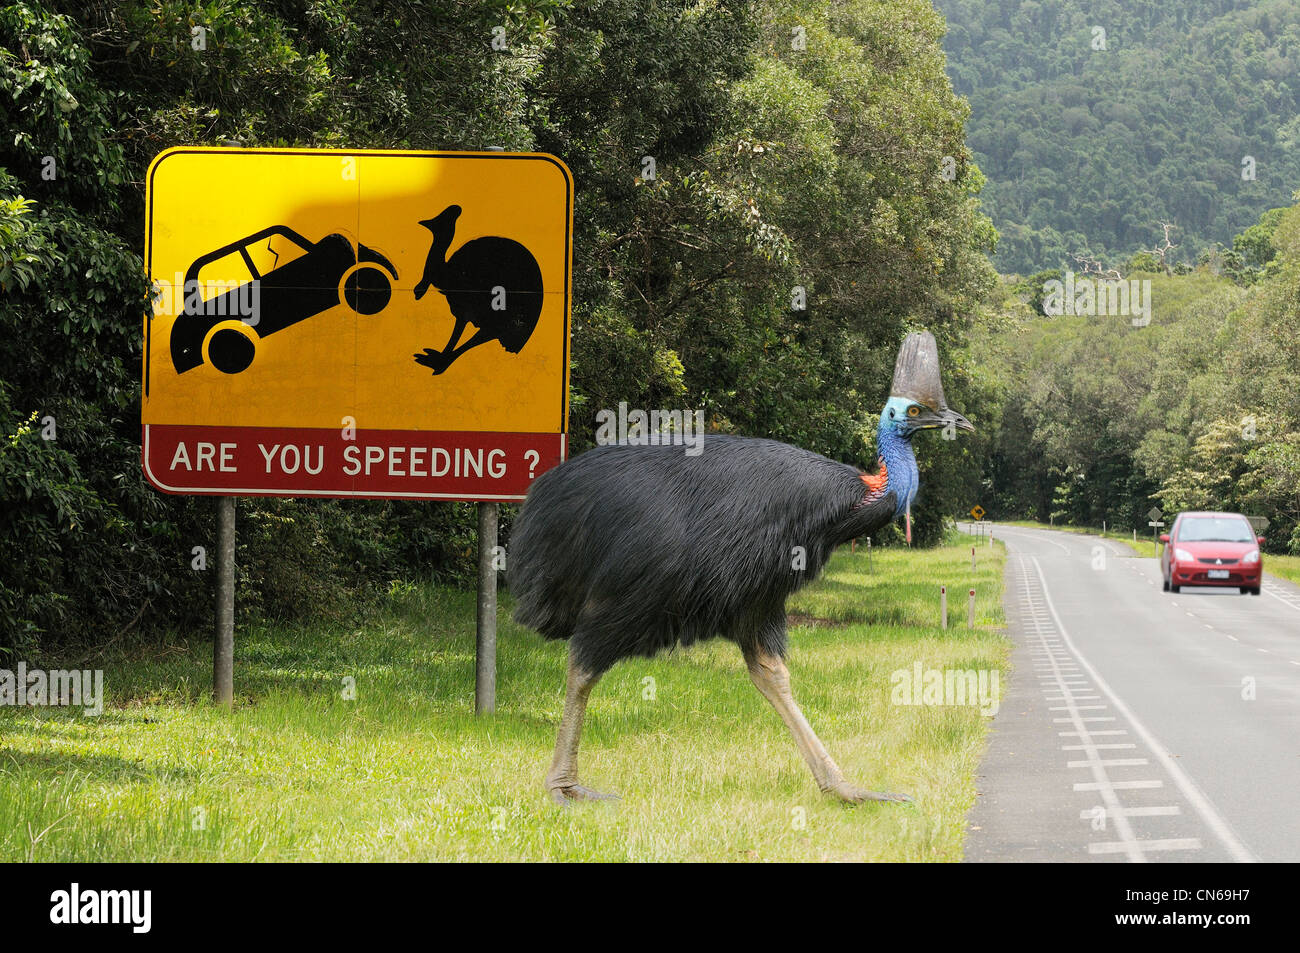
x: 946, y: 417
x: 951, y: 416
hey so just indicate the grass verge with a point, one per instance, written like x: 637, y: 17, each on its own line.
x: 1288, y: 567
x: 705, y: 768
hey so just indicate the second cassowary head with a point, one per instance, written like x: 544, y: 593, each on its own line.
x: 916, y: 399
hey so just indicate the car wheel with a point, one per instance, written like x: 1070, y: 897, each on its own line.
x: 1173, y: 588
x: 230, y: 348
x: 366, y: 289
x: 1255, y: 591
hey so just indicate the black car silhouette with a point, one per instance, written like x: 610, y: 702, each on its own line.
x: 328, y: 274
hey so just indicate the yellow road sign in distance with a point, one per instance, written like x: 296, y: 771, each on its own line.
x: 388, y: 324
x: 977, y: 511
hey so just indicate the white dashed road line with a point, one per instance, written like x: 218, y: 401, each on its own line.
x: 1036, y: 597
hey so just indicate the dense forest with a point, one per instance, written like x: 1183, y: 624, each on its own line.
x: 1199, y: 409
x: 1098, y: 122
x: 812, y: 144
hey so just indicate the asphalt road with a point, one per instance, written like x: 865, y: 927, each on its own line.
x: 1139, y: 725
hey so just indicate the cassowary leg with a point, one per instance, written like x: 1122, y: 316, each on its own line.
x: 441, y: 360
x: 562, y: 780
x: 479, y: 337
x: 772, y: 679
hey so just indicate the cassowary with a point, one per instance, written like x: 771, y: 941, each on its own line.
x: 629, y: 550
x: 492, y: 283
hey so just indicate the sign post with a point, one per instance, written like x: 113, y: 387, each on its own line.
x: 223, y: 645
x: 372, y: 324
x: 1153, y: 520
x: 485, y: 632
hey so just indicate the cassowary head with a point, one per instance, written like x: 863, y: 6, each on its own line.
x: 916, y: 399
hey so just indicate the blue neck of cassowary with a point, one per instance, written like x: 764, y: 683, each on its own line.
x: 895, y: 450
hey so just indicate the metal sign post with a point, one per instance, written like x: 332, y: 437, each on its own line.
x: 223, y: 643
x: 1153, y: 520
x: 1155, y: 538
x: 485, y: 635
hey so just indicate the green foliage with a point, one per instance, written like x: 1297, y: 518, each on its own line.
x: 1199, y: 410
x: 42, y: 524
x: 839, y: 168
x: 1088, y: 150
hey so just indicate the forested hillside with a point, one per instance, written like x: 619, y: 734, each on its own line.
x: 1200, y: 409
x: 1096, y: 122
x: 796, y: 145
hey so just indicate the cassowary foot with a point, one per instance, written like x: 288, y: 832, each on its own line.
x: 433, y: 359
x: 567, y: 794
x: 852, y: 794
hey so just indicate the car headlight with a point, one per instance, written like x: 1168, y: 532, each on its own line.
x: 1183, y: 555
x: 1251, y: 557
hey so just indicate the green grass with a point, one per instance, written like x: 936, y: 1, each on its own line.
x: 706, y: 769
x: 1142, y: 548
x: 1287, y: 567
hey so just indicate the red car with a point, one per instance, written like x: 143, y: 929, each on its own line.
x: 1212, y: 549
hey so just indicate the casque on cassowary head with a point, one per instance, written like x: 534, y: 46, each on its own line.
x: 628, y: 550
x: 916, y: 402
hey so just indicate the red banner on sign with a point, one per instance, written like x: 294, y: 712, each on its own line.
x: 387, y: 464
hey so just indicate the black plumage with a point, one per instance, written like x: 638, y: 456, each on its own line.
x: 629, y: 550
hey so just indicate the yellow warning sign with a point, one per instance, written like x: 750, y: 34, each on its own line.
x: 376, y: 296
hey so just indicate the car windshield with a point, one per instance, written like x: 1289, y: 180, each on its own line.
x: 1215, y: 529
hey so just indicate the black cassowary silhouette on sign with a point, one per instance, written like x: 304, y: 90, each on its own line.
x: 492, y: 283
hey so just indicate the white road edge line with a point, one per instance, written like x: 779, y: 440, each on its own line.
x: 1215, y: 821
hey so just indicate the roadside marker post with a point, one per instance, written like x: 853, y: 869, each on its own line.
x: 970, y: 611
x: 943, y: 605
